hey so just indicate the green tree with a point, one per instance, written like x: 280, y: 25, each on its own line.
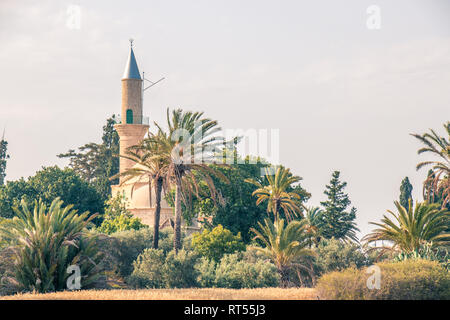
x: 213, y: 244
x: 283, y: 244
x: 408, y: 229
x: 238, y: 211
x: 405, y: 192
x: 338, y: 222
x: 3, y: 158
x: 96, y: 163
x: 48, y: 184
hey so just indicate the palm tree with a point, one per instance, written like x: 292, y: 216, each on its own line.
x: 189, y: 147
x: 45, y: 241
x: 410, y: 229
x: 276, y: 194
x: 150, y: 165
x: 284, y: 244
x: 440, y: 147
x: 313, y: 224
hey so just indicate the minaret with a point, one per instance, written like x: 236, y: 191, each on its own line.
x: 132, y: 128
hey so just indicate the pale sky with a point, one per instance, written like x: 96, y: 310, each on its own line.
x: 344, y: 97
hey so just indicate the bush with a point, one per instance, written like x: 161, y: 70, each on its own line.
x: 121, y: 223
x: 157, y: 269
x: 6, y: 271
x: 406, y: 280
x: 125, y: 247
x: 154, y: 269
x: 116, y: 206
x: 335, y: 255
x: 213, y: 244
x: 235, y: 272
x: 148, y: 269
x: 118, y: 218
x: 207, y: 273
x: 179, y: 269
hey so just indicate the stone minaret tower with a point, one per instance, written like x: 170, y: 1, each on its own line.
x: 132, y: 128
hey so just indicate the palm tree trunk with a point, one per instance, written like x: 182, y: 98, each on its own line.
x: 284, y: 273
x: 177, y: 227
x: 157, y: 213
x: 275, y: 209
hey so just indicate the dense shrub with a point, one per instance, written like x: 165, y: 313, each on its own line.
x: 207, y: 273
x: 213, y: 244
x: 179, y: 269
x: 238, y: 270
x: 406, y: 280
x: 233, y: 272
x: 155, y: 269
x: 148, y: 269
x: 159, y: 269
x: 335, y: 255
x: 125, y: 247
x: 7, y: 271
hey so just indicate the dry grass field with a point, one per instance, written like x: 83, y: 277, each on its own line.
x: 175, y: 294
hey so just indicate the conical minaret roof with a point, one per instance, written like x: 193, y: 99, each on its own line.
x: 131, y: 69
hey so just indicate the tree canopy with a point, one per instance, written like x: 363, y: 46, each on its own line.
x: 48, y: 184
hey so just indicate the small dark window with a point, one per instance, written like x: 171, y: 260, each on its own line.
x: 129, y: 116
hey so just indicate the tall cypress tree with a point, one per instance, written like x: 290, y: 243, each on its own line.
x: 338, y: 222
x: 405, y: 192
x: 3, y: 158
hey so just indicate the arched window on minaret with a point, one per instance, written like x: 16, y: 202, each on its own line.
x: 129, y: 116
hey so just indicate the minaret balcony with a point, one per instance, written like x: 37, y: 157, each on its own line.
x: 133, y: 120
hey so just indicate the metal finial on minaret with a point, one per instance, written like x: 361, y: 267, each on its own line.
x: 131, y: 42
